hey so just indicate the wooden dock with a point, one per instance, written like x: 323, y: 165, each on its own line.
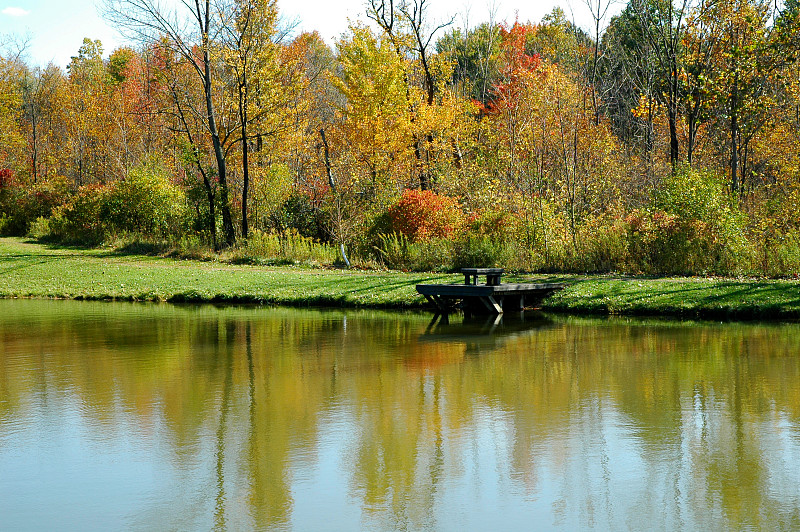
x: 494, y: 298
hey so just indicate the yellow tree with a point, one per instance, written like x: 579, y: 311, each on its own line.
x: 407, y: 26
x: 375, y: 126
x: 41, y: 91
x: 89, y: 113
x: 747, y: 76
x: 12, y: 140
x: 260, y: 77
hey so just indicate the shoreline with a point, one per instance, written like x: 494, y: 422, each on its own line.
x: 34, y: 270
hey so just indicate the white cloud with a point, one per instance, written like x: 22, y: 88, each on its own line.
x: 15, y: 12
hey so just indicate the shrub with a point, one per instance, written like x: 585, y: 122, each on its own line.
x: 299, y: 214
x: 692, y: 226
x: 6, y: 178
x: 80, y: 219
x: 398, y: 252
x: 39, y: 228
x: 146, y: 203
x: 23, y: 205
x: 497, y: 224
x: 395, y: 251
x: 602, y: 245
x: 423, y: 215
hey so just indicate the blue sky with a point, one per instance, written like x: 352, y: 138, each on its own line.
x: 57, y: 27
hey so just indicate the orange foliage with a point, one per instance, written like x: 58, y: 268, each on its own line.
x: 6, y: 177
x: 421, y: 215
x: 516, y: 68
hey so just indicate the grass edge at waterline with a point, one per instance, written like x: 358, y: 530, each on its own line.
x: 35, y: 270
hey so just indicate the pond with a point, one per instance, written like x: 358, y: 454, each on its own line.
x: 146, y: 416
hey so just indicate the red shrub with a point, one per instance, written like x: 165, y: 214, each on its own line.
x: 422, y: 215
x: 6, y: 177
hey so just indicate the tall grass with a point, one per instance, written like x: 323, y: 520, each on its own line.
x: 288, y: 247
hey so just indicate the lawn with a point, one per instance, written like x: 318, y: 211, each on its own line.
x: 31, y: 269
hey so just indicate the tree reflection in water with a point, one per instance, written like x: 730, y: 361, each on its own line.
x: 280, y: 418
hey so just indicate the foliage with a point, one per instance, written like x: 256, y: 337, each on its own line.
x: 693, y: 227
x: 422, y: 215
x: 297, y: 213
x: 376, y: 121
x: 398, y: 252
x: 146, y: 203
x: 670, y: 145
x: 6, y: 178
x: 23, y: 205
x: 79, y: 220
x: 475, y: 53
x: 479, y: 251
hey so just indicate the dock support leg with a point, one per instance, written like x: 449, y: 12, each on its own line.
x: 442, y: 304
x: 491, y: 304
x: 438, y: 304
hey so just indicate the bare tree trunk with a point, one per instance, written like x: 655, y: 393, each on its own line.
x: 34, y: 153
x: 227, y: 221
x: 334, y: 189
x: 245, y: 163
x: 734, y: 133
x: 672, y: 113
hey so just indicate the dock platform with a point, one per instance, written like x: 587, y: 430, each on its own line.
x: 494, y: 298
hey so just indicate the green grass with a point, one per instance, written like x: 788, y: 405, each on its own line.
x: 694, y: 297
x: 30, y: 269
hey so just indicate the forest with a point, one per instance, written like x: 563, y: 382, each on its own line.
x: 661, y: 140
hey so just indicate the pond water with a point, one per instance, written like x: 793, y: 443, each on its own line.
x: 126, y: 416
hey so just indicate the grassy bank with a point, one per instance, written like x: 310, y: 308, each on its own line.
x: 709, y: 298
x: 29, y: 269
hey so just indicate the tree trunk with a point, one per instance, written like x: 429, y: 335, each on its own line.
x: 34, y: 153
x: 734, y: 132
x: 692, y: 123
x: 245, y: 164
x: 673, y: 137
x: 227, y: 221
x: 593, y: 82
x: 673, y: 117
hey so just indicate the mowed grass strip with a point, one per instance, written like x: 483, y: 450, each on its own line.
x: 712, y: 298
x: 30, y: 269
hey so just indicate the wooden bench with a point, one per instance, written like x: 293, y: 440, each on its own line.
x: 493, y: 275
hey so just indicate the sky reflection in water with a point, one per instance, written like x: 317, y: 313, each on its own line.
x: 171, y: 417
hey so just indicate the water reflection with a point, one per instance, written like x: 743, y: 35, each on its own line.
x: 235, y: 418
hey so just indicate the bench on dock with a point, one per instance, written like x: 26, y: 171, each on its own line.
x: 493, y: 297
x: 492, y: 275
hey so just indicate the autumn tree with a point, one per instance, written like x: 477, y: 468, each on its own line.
x: 192, y: 31
x: 747, y: 74
x: 548, y: 145
x: 376, y: 125
x: 408, y: 28
x: 89, y: 115
x: 12, y: 141
x: 254, y: 60
x: 38, y: 98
